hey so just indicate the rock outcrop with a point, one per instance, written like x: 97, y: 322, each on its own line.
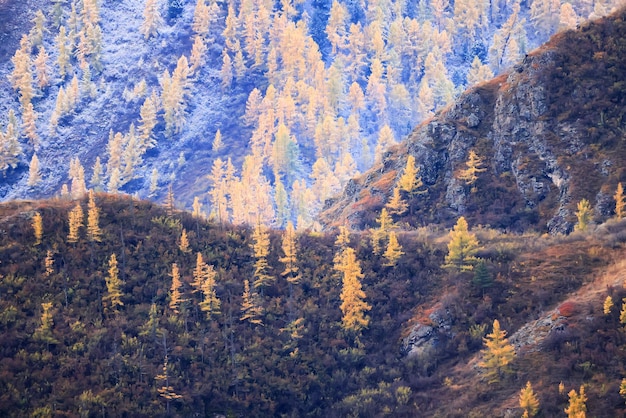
x: 550, y: 132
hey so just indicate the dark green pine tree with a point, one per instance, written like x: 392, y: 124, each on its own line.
x: 482, y: 277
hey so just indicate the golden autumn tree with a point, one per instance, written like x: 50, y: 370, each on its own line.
x: 394, y: 250
x: 410, y: 181
x: 34, y: 176
x: 148, y: 120
x: 261, y: 247
x: 112, y: 299
x: 76, y: 217
x: 497, y: 354
x: 198, y: 273
x: 462, y: 247
x: 183, y: 245
x: 29, y: 124
x: 353, y: 305
x: 620, y: 203
x: 97, y: 180
x: 528, y: 401
x: 251, y: 309
x: 341, y: 242
x: 385, y: 223
x: 94, y: 233
x: 583, y: 215
x: 290, y: 249
x: 210, y: 304
x: 152, y: 19
x: 44, y: 331
x: 37, y: 227
x: 607, y: 305
x: 42, y: 72
x: 48, y: 263
x: 197, y: 208
x: 165, y: 389
x: 577, y: 407
x: 176, y: 296
x: 218, y: 143
x: 22, y: 76
x: 10, y: 148
x: 396, y: 204
x: 474, y: 165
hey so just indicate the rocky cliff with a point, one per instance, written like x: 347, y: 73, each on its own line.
x: 550, y: 133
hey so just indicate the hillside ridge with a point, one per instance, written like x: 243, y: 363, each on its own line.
x: 550, y: 133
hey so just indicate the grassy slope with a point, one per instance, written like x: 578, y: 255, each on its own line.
x: 224, y: 365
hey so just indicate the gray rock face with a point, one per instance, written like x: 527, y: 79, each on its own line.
x: 532, y: 129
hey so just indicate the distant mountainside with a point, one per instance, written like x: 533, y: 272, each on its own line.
x: 151, y: 312
x: 550, y: 133
x: 304, y: 94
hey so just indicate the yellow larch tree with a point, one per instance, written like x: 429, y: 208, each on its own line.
x: 183, y: 245
x: 411, y: 181
x: 97, y: 181
x: 290, y: 249
x: 44, y: 331
x: 197, y: 208
x: 176, y: 296
x: 218, y: 143
x: 165, y: 389
x: 34, y: 176
x: 528, y: 401
x: 76, y: 216
x: 63, y: 57
x: 94, y: 233
x: 462, y: 247
x: 577, y: 407
x: 251, y: 309
x: 199, y: 273
x: 42, y: 71
x: 210, y: 304
x: 478, y: 72
x: 607, y: 305
x: 22, y: 76
x: 381, y: 233
x: 353, y: 305
x: 10, y: 148
x: 37, y: 227
x: 226, y: 73
x: 148, y: 120
x: 497, y: 354
x: 394, y: 250
x: 48, y: 263
x: 474, y: 165
x: 112, y: 299
x: 396, y: 204
x: 583, y: 215
x: 198, y: 52
x: 78, y: 186
x: 261, y: 248
x: 29, y: 124
x: 620, y: 203
x: 152, y: 20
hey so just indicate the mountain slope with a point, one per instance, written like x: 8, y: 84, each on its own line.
x: 295, y: 88
x: 85, y: 357
x: 550, y: 133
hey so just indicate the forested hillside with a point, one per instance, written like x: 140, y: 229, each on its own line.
x: 268, y: 107
x: 522, y: 151
x: 111, y: 306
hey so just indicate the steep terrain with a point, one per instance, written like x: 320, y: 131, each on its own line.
x: 66, y: 352
x: 261, y: 67
x: 550, y: 133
